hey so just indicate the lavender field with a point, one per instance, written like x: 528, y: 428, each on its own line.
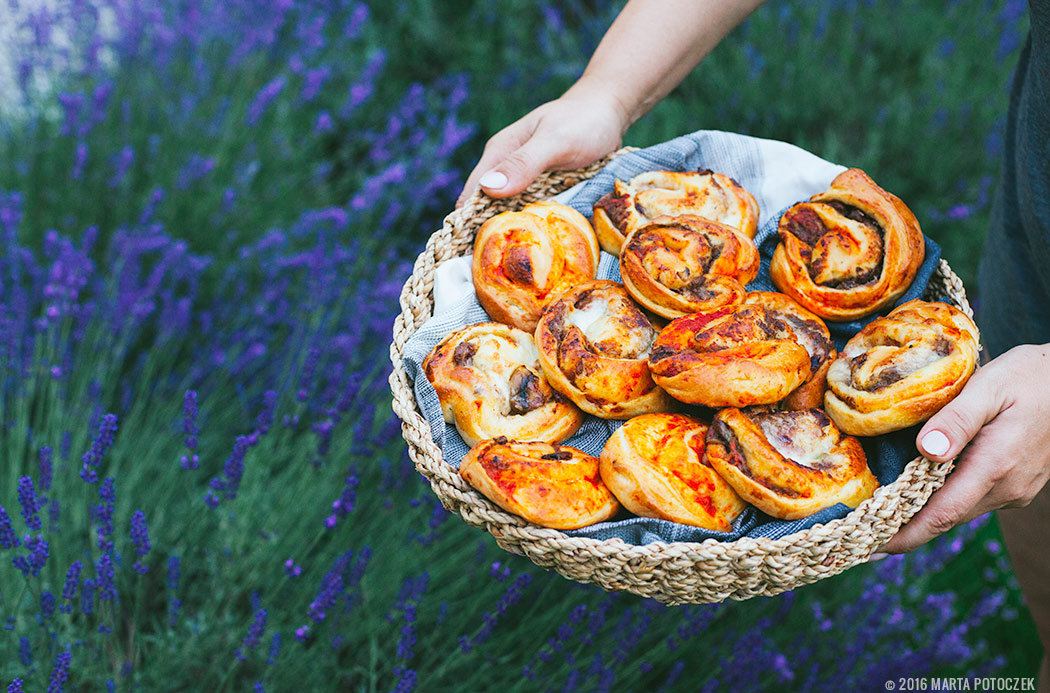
x: 207, y: 210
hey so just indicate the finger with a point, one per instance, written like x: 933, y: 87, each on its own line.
x: 963, y: 497
x: 519, y: 168
x: 495, y: 152
x: 949, y: 430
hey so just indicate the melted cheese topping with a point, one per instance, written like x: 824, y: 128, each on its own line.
x: 798, y: 436
x: 497, y: 358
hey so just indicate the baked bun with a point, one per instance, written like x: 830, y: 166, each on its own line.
x: 490, y: 384
x: 654, y: 194
x: 734, y: 357
x: 654, y: 465
x: 849, y: 251
x: 789, y: 464
x: 522, y: 259
x: 593, y: 343
x: 552, y: 486
x: 901, y: 369
x: 687, y: 264
x: 811, y: 332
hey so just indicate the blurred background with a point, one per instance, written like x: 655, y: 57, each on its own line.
x: 207, y: 211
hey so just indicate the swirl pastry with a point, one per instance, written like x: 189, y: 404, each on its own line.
x: 489, y: 381
x: 733, y: 357
x: 654, y: 465
x: 687, y: 264
x: 848, y: 252
x: 811, y: 332
x: 552, y: 486
x: 522, y: 259
x: 789, y: 464
x: 593, y: 344
x: 902, y: 368
x: 654, y: 194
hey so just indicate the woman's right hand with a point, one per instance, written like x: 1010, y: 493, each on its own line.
x: 572, y: 131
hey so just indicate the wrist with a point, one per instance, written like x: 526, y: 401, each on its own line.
x: 599, y: 97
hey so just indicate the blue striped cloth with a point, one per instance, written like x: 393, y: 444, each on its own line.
x: 778, y: 175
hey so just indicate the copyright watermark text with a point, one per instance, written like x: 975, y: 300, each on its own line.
x: 962, y: 683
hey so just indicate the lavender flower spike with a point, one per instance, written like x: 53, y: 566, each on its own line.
x: 92, y: 458
x: 140, y: 537
x: 8, y: 540
x: 60, y: 673
x: 27, y: 498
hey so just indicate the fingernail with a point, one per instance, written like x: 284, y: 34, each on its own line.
x: 493, y: 180
x: 935, y: 443
x: 878, y: 557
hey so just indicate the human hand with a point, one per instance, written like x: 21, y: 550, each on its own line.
x: 998, y: 427
x: 572, y: 131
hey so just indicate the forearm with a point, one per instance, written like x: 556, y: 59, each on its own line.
x: 653, y: 45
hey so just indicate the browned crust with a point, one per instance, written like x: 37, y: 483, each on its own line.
x: 780, y: 487
x: 903, y: 252
x: 553, y: 486
x: 654, y: 465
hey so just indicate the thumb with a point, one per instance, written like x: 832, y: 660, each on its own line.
x: 949, y: 430
x: 519, y: 168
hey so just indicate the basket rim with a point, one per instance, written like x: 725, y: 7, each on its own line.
x: 888, y: 507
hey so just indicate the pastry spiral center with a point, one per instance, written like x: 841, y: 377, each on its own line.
x: 845, y: 245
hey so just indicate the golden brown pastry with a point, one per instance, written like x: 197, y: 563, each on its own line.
x: 848, y: 252
x: 522, y: 259
x: 789, y: 464
x: 654, y: 194
x: 552, y: 486
x: 811, y: 332
x: 490, y: 384
x: 733, y: 357
x: 901, y: 369
x: 687, y: 264
x: 593, y: 343
x: 654, y: 465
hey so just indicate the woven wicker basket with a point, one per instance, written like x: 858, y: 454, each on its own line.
x: 674, y: 573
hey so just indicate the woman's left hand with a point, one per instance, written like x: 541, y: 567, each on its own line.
x: 999, y: 426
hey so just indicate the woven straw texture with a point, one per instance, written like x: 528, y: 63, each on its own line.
x: 673, y: 573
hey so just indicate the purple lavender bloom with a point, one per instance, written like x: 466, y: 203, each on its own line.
x: 275, y: 650
x: 407, y: 641
x: 121, y: 163
x: 313, y: 80
x: 190, y: 413
x: 15, y: 687
x: 102, y: 442
x: 173, y: 586
x: 107, y: 590
x: 263, y: 98
x: 107, y: 493
x: 46, y: 469
x: 87, y: 596
x: 195, y: 169
x: 69, y: 590
x: 291, y: 569
x: 61, y: 672
x: 265, y: 419
x: 47, y: 605
x: 25, y: 652
x: 27, y: 498
x: 324, y: 122
x: 33, y: 563
x: 302, y: 633
x: 255, y: 633
x: 8, y: 539
x: 406, y: 679
x: 357, y: 20
x: 140, y: 538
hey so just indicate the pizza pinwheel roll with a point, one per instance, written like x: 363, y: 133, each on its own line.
x: 490, y: 384
x: 812, y: 334
x: 788, y: 464
x: 733, y: 357
x: 901, y: 369
x: 676, y: 266
x: 654, y: 194
x: 849, y: 251
x: 522, y: 259
x: 552, y: 486
x: 654, y: 464
x: 593, y: 343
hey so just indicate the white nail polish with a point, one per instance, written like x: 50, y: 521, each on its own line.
x: 493, y: 180
x: 878, y: 557
x: 935, y: 443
